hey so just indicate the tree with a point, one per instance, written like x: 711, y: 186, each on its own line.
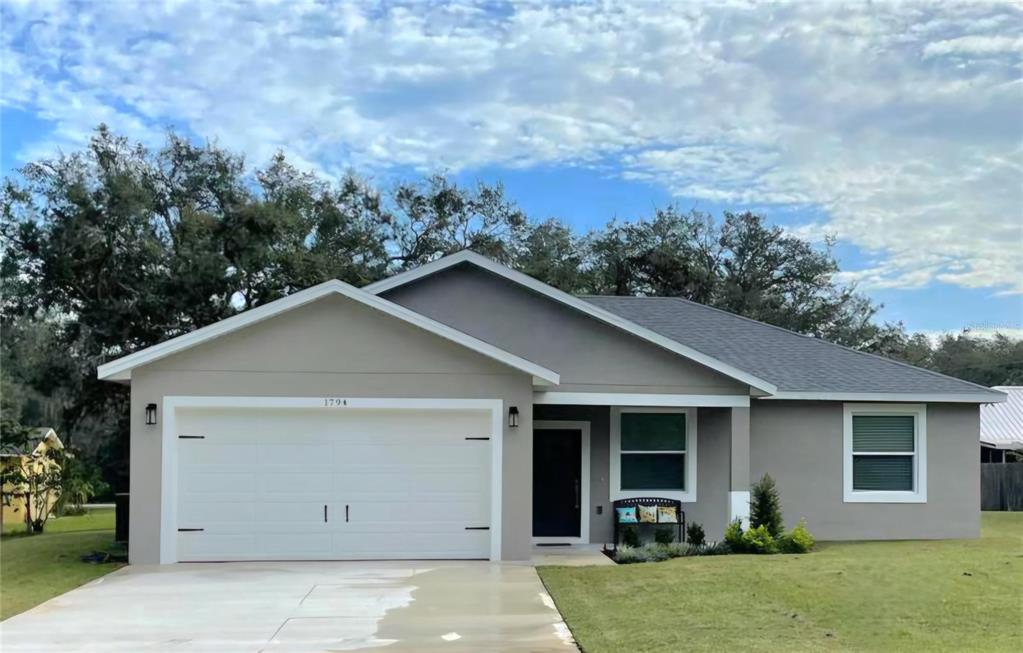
x: 118, y: 247
x: 434, y: 218
x: 765, y: 507
x: 549, y: 251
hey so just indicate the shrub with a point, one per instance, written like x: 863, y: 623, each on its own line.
x: 656, y: 552
x: 759, y: 540
x: 695, y: 534
x: 626, y: 555
x: 765, y: 506
x: 664, y: 535
x: 630, y: 536
x: 677, y: 549
x: 715, y: 549
x: 733, y: 535
x: 798, y: 540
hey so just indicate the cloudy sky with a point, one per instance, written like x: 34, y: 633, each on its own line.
x: 896, y: 127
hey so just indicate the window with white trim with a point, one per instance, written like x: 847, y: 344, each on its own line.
x: 653, y: 453
x: 885, y: 451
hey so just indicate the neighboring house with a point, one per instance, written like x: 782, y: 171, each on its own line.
x: 32, y: 454
x: 465, y: 410
x: 1001, y: 428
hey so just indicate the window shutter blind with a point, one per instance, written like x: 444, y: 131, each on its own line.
x: 882, y: 433
x: 883, y: 473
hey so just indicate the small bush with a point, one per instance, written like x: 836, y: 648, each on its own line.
x: 759, y: 540
x: 695, y: 534
x: 664, y: 535
x: 630, y: 536
x: 798, y: 540
x: 765, y: 506
x: 715, y: 549
x: 626, y: 555
x: 733, y: 535
x: 677, y: 549
x: 656, y: 552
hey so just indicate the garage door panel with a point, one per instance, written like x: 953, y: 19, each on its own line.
x: 384, y: 514
x: 311, y: 482
x: 410, y: 545
x: 410, y: 451
x: 259, y: 480
x: 194, y: 513
x: 200, y: 480
x: 301, y: 455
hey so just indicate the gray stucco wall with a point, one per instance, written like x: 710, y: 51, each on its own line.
x: 589, y: 355
x: 800, y: 445
x: 333, y: 347
x: 713, y: 431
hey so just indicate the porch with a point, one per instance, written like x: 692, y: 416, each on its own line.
x: 591, y: 450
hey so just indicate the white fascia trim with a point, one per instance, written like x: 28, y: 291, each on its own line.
x: 607, y: 317
x: 615, y: 473
x: 169, y: 446
x: 976, y: 398
x: 629, y: 399
x: 120, y: 369
x: 919, y: 494
x: 539, y: 426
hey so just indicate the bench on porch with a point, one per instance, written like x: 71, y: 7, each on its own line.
x: 648, y: 501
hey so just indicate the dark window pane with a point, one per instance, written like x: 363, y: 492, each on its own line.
x: 660, y: 471
x: 653, y: 431
x: 883, y: 432
x: 893, y: 473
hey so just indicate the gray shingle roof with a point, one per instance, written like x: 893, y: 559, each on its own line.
x: 792, y: 362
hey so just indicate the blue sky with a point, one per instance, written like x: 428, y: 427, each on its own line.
x: 895, y: 127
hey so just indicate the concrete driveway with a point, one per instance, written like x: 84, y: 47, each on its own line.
x: 299, y: 606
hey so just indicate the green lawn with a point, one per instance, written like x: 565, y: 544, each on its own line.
x: 959, y: 595
x: 38, y: 567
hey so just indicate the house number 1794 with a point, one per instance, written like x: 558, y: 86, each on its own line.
x: 333, y: 402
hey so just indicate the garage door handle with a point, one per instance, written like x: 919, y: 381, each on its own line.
x: 324, y: 513
x: 346, y: 513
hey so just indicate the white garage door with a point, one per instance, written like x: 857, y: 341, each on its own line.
x: 299, y: 484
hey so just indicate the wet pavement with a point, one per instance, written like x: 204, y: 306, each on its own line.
x: 421, y: 606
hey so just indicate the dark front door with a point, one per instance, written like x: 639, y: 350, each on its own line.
x: 557, y: 478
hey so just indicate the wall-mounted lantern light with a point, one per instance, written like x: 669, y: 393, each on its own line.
x: 513, y: 417
x: 150, y: 414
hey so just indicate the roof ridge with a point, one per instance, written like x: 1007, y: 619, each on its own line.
x: 806, y: 337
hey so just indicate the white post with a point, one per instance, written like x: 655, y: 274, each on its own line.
x: 738, y: 488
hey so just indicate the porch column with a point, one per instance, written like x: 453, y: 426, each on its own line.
x: 738, y: 486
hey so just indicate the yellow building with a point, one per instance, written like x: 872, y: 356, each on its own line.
x: 32, y: 454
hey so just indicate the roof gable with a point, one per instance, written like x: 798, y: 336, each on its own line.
x: 121, y: 368
x: 596, y: 312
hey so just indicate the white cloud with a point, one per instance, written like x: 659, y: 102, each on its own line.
x: 901, y: 122
x: 975, y: 45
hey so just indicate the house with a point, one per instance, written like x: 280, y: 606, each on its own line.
x: 1001, y: 428
x: 30, y: 454
x: 465, y: 410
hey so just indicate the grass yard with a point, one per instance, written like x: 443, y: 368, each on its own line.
x: 961, y: 595
x: 38, y: 567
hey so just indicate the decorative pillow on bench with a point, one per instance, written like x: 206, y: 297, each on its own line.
x: 626, y: 515
x: 648, y: 514
x: 667, y: 515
